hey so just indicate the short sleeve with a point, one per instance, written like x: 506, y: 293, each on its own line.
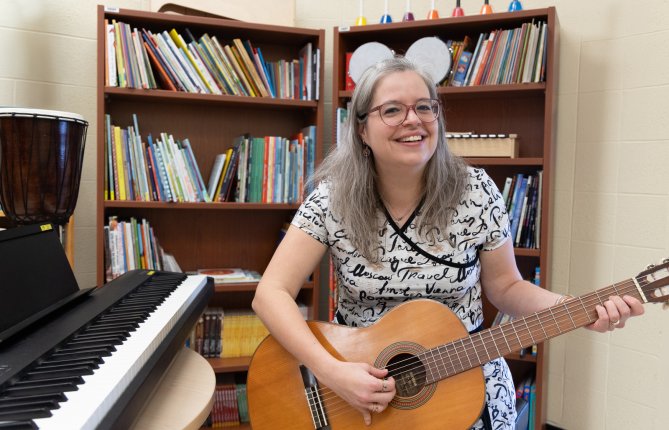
x: 493, y: 212
x: 311, y: 217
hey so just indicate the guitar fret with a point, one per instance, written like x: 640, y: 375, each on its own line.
x: 501, y: 330
x: 464, y: 350
x: 528, y: 330
x: 557, y: 325
x: 536, y: 315
x: 471, y: 339
x: 569, y: 314
x: 438, y: 358
x: 484, y: 347
x: 520, y: 342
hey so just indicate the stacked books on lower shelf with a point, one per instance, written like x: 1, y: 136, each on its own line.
x: 133, y: 245
x: 526, y: 392
x: 230, y: 406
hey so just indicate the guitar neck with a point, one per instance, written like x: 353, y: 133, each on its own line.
x: 479, y: 348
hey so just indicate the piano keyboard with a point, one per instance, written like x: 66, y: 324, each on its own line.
x: 85, y: 381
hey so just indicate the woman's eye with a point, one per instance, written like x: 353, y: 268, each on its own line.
x: 391, y: 110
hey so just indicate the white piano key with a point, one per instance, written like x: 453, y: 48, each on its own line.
x: 87, y: 407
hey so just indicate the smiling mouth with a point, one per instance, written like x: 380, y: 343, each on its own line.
x: 410, y: 139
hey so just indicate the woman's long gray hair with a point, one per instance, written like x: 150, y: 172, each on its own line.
x: 352, y: 177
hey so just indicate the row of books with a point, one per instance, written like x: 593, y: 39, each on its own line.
x: 134, y: 58
x: 230, y: 406
x: 522, y: 195
x: 526, y: 393
x: 228, y: 333
x: 269, y: 169
x: 509, y: 56
x: 148, y: 170
x: 130, y: 245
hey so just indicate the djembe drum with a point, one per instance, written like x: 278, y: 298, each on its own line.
x: 41, y: 155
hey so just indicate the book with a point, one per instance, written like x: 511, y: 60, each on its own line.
x: 462, y: 68
x: 230, y: 275
x: 250, y: 67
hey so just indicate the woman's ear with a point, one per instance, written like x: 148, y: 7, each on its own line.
x: 362, y: 131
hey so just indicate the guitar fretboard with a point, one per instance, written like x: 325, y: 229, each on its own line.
x: 474, y: 350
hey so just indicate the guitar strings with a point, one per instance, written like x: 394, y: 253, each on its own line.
x: 327, y: 395
x: 592, y: 297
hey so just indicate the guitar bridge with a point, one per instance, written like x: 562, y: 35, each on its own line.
x: 316, y: 406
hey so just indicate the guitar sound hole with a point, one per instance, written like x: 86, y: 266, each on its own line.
x: 409, y: 374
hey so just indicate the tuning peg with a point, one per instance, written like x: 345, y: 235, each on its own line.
x: 650, y: 266
x: 665, y: 260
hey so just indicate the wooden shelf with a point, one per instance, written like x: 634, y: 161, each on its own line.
x: 201, y: 205
x: 181, y: 97
x: 248, y: 286
x: 230, y: 365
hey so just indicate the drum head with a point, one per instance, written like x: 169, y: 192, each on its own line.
x: 40, y: 113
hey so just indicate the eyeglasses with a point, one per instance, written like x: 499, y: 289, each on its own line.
x: 395, y: 113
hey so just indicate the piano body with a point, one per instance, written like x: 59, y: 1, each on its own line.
x: 93, y: 362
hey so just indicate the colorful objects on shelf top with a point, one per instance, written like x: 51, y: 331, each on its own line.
x: 361, y: 20
x: 433, y: 13
x: 386, y: 18
x: 408, y: 15
x: 457, y: 10
x: 486, y: 8
x: 515, y: 6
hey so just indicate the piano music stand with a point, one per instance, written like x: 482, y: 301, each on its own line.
x: 184, y: 397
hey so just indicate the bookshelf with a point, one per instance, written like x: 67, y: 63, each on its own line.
x: 219, y: 234
x: 525, y: 109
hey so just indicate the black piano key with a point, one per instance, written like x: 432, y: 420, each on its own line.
x: 56, y: 373
x: 25, y: 414
x: 59, y: 387
x: 89, y: 354
x: 83, y: 360
x: 111, y: 330
x: 37, y: 382
x: 18, y: 425
x: 111, y: 326
x: 85, y: 348
x: 99, y: 340
x: 141, y: 316
x: 28, y: 403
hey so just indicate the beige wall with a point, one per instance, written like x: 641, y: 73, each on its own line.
x: 611, y: 200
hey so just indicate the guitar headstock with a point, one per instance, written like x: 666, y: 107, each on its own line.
x: 654, y: 282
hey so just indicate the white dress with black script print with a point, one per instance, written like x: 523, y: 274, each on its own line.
x: 367, y: 291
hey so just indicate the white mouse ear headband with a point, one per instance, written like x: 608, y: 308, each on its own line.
x: 430, y: 52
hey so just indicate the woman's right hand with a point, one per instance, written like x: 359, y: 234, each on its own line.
x: 363, y: 386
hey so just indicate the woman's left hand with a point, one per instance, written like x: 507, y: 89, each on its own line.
x: 615, y: 312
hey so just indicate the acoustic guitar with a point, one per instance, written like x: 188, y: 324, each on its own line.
x: 435, y: 362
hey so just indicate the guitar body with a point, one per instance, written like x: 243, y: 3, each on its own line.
x: 276, y: 389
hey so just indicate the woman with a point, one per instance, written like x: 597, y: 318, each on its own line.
x: 403, y: 218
